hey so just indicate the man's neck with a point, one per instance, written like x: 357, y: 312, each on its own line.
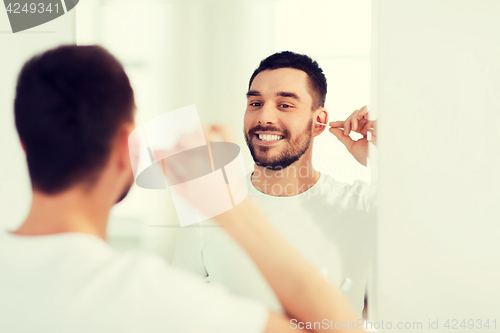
x: 71, y: 211
x: 290, y: 181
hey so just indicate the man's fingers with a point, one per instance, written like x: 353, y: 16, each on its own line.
x: 347, y: 126
x: 373, y: 136
x: 366, y: 127
x: 360, y: 119
x: 362, y: 125
x: 345, y: 139
x: 363, y: 113
x: 355, y: 121
x: 372, y: 124
x: 339, y: 123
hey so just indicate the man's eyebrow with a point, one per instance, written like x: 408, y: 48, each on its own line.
x: 253, y: 93
x: 288, y: 94
x: 280, y: 93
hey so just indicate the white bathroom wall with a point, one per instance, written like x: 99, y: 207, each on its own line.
x: 436, y: 89
x: 15, y: 49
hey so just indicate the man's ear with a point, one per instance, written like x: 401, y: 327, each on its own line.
x: 22, y: 145
x: 122, y: 145
x: 320, y: 116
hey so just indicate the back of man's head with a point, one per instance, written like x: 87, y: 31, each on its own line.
x: 70, y: 103
x: 287, y: 59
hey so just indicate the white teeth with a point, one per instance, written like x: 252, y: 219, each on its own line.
x: 270, y: 137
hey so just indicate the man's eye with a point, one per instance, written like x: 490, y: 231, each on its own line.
x: 255, y: 104
x: 285, y: 106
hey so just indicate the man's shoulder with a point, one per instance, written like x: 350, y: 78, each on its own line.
x: 348, y: 195
x: 335, y: 187
x: 137, y: 261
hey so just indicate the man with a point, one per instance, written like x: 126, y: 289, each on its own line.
x: 326, y: 221
x: 74, y: 111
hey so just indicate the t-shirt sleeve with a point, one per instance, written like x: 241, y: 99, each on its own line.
x: 189, y: 250
x: 167, y: 299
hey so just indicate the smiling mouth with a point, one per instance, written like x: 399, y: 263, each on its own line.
x: 269, y: 138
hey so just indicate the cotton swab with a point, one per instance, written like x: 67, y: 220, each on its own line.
x: 368, y: 134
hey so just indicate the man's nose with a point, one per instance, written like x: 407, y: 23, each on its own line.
x: 267, y: 115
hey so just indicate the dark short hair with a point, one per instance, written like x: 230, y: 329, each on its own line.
x: 287, y: 59
x: 70, y: 103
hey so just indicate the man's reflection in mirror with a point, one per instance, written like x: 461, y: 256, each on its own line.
x: 324, y: 219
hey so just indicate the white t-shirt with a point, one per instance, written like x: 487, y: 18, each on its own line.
x: 74, y: 282
x: 327, y: 224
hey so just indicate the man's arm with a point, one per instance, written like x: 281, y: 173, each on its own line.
x: 304, y: 294
x: 359, y: 122
x: 279, y: 324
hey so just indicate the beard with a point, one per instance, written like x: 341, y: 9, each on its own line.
x: 293, y: 148
x: 125, y: 191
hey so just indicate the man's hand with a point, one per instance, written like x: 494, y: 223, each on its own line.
x: 218, y: 132
x: 359, y: 123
